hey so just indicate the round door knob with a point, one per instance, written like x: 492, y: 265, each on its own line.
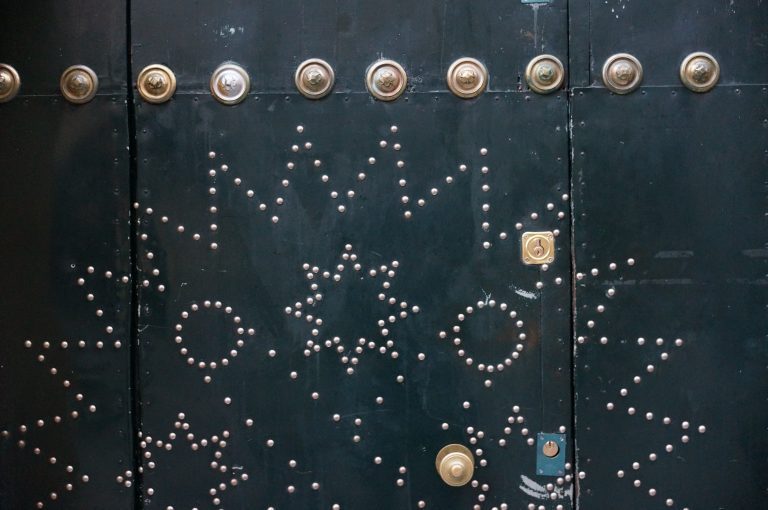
x: 9, y: 83
x: 386, y: 80
x: 156, y: 83
x: 467, y: 77
x: 622, y: 73
x: 314, y: 78
x: 699, y: 72
x: 230, y: 83
x: 545, y: 74
x: 79, y: 84
x: 455, y: 464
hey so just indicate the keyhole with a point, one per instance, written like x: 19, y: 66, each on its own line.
x: 538, y: 249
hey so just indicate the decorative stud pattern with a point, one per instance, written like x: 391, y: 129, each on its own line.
x: 623, y: 402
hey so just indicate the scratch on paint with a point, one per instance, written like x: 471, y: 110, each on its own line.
x: 229, y: 31
x: 538, y: 491
x: 524, y: 293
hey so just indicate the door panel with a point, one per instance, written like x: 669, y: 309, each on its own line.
x: 249, y: 216
x: 65, y: 426
x: 272, y: 38
x: 328, y: 292
x: 432, y: 265
x: 661, y: 33
x: 671, y: 354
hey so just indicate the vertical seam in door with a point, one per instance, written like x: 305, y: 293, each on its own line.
x: 134, y: 391
x: 572, y: 248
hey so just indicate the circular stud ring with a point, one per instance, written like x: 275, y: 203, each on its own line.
x: 622, y: 73
x: 455, y: 465
x: 79, y: 84
x: 314, y: 78
x: 386, y: 80
x: 699, y: 72
x: 467, y: 77
x: 9, y: 83
x: 230, y: 83
x: 545, y: 74
x: 156, y: 83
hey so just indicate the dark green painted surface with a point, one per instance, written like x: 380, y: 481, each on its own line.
x: 439, y: 264
x: 64, y: 209
x: 673, y: 180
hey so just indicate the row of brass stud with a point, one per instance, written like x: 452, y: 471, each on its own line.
x: 385, y: 79
x: 78, y: 83
x: 230, y: 83
x: 623, y: 73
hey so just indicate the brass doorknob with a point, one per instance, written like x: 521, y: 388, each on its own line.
x: 455, y: 464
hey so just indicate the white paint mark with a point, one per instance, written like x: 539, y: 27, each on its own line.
x: 524, y: 293
x: 538, y: 491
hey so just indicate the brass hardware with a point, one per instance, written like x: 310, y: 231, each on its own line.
x: 230, y: 83
x: 699, y: 72
x: 386, y: 80
x: 550, y: 449
x: 545, y: 74
x: 79, y: 84
x: 9, y: 83
x: 314, y: 78
x: 467, y: 77
x: 622, y: 73
x: 156, y: 83
x: 538, y: 247
x: 455, y: 464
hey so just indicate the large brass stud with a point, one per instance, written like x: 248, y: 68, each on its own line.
x: 622, y: 73
x: 314, y: 78
x: 9, y: 83
x: 230, y: 83
x: 545, y: 74
x: 156, y: 83
x: 455, y: 465
x: 699, y: 71
x: 467, y: 77
x: 386, y: 80
x: 79, y: 84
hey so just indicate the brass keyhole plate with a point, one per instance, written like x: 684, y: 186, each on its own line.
x: 538, y: 247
